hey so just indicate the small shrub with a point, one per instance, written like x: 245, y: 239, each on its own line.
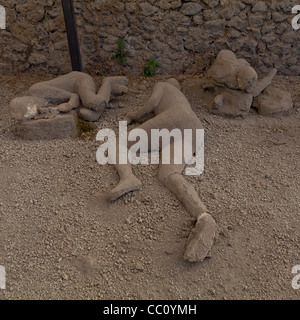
x: 100, y: 73
x: 86, y: 129
x: 121, y: 53
x: 150, y: 68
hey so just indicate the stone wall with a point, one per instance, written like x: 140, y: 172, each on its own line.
x: 182, y: 35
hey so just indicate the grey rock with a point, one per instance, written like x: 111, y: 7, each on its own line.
x: 182, y: 31
x: 5, y: 68
x: 148, y: 24
x: 168, y: 4
x: 130, y: 7
x: 269, y: 38
x: 231, y: 10
x: 260, y: 6
x: 240, y: 5
x: 135, y: 42
x: 283, y: 27
x: 197, y: 20
x: 196, y: 45
x: 285, y: 5
x: 256, y: 20
x: 274, y: 102
x: 237, y: 23
x: 175, y: 4
x: 267, y: 29
x: 191, y: 9
x: 156, y: 45
x: 215, y: 27
x: 37, y: 58
x: 186, y: 21
x: 147, y: 9
x: 290, y: 37
x: 54, y: 13
x: 176, y: 43
x: 209, y: 15
x: 119, y: 6
x: 278, y: 17
x: 245, y: 44
x: 61, y: 45
x: 256, y: 34
x: 278, y: 48
x: 261, y: 47
x: 227, y: 13
x: 211, y: 3
x: 33, y: 11
x: 233, y: 34
x: 19, y: 47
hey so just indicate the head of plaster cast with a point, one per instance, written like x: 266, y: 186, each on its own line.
x: 174, y: 82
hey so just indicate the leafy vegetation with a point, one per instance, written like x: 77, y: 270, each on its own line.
x: 150, y: 68
x: 86, y: 129
x: 121, y: 53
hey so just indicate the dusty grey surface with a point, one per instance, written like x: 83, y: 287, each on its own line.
x: 60, y: 239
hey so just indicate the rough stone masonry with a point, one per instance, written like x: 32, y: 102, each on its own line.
x: 182, y: 35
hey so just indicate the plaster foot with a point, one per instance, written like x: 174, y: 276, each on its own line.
x: 201, y: 239
x: 73, y: 103
x: 89, y: 115
x: 125, y: 186
x: 64, y: 107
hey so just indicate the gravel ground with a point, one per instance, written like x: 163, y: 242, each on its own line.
x: 60, y: 239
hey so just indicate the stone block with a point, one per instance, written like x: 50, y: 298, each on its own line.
x: 274, y: 102
x: 60, y: 127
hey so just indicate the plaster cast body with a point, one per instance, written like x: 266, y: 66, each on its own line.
x: 172, y: 110
x: 237, y: 83
x: 66, y: 93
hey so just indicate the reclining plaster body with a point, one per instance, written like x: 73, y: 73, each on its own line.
x: 172, y: 110
x: 69, y: 92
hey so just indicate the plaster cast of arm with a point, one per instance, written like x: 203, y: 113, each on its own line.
x: 263, y: 83
x: 149, y: 107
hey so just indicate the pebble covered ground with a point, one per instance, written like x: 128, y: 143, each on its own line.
x: 61, y: 239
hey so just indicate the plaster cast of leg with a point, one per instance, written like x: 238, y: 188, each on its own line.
x: 94, y: 105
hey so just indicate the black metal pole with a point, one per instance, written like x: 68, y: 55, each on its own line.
x: 72, y: 34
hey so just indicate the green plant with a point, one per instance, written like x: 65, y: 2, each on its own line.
x: 86, y: 129
x: 150, y: 68
x: 100, y: 73
x: 121, y: 53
